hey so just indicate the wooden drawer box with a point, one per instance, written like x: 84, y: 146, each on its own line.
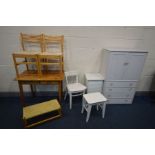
x: 40, y: 109
x: 94, y: 82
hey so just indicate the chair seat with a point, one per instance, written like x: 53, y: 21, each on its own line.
x: 76, y: 87
x: 96, y: 97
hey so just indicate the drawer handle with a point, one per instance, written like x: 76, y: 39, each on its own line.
x: 109, y: 95
x: 126, y: 100
x: 111, y: 84
x: 126, y: 63
x: 110, y: 89
x: 131, y: 84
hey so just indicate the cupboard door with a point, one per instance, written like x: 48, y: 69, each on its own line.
x: 116, y: 66
x: 134, y: 66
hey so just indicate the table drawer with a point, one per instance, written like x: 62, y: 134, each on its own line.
x: 120, y: 84
x: 120, y: 101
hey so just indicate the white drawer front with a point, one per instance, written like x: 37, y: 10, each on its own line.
x: 120, y: 101
x: 120, y: 84
x: 119, y: 92
x: 94, y: 86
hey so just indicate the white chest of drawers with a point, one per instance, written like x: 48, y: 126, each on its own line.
x: 121, y: 70
x: 94, y: 82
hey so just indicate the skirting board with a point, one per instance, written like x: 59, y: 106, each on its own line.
x: 16, y: 94
x: 54, y: 93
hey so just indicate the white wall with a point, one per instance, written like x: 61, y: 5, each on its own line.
x: 82, y: 49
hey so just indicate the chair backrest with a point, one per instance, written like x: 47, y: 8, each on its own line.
x: 31, y: 42
x: 71, y: 77
x: 22, y: 59
x: 53, y: 44
x: 49, y: 63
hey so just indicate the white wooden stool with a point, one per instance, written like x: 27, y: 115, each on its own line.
x: 91, y: 99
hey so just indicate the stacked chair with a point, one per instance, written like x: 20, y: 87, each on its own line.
x: 42, y: 57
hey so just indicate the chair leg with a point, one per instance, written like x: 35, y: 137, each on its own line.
x: 83, y: 104
x: 65, y: 95
x: 88, y: 112
x: 84, y: 92
x: 70, y: 100
x: 103, y: 109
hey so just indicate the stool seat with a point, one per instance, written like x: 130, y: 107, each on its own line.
x: 92, y: 98
x: 33, y: 111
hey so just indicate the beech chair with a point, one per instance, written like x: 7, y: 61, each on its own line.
x: 53, y: 44
x: 31, y: 42
x: 52, y: 64
x: 73, y: 87
x: 23, y: 60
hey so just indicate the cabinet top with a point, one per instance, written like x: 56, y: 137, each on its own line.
x: 125, y: 50
x: 94, y: 76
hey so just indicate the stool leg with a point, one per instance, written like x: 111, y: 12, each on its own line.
x: 83, y: 104
x: 70, y: 100
x: 103, y: 109
x: 88, y: 112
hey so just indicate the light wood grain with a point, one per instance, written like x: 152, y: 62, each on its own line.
x: 28, y: 38
x: 42, y: 60
x: 41, y: 109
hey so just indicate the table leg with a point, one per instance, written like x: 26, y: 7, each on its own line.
x: 60, y: 89
x: 32, y: 90
x: 21, y: 92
